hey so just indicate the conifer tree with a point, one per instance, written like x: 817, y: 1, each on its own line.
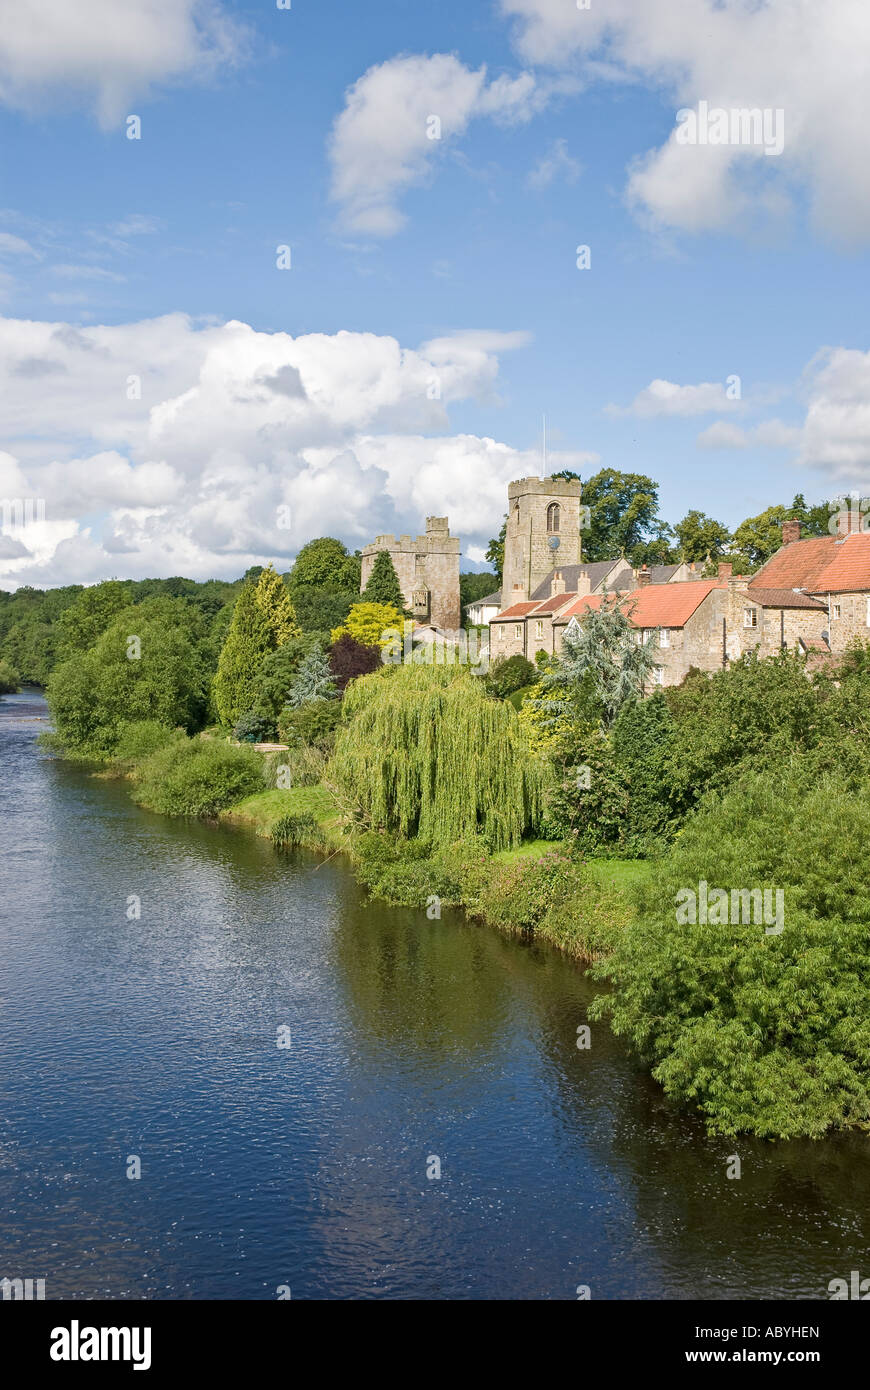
x: 313, y: 680
x: 383, y: 584
x: 248, y: 641
x: 277, y: 607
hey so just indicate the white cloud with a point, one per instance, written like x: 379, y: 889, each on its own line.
x: 107, y: 53
x: 836, y: 431
x: 233, y: 424
x: 386, y: 139
x: 16, y: 246
x: 662, y: 398
x: 732, y: 54
x: 558, y: 163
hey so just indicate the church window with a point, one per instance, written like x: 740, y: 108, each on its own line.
x: 554, y: 516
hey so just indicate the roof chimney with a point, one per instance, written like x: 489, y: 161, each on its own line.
x: 791, y: 531
x: 558, y: 584
x: 584, y: 584
x: 725, y: 569
x: 644, y: 577
x: 519, y: 594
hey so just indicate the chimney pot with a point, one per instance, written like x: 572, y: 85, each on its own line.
x: 791, y: 531
x: 558, y: 584
x: 725, y: 569
x: 644, y: 577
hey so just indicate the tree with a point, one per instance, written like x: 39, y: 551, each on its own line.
x: 383, y: 583
x: 606, y: 645
x: 89, y: 616
x: 495, y: 552
x: 9, y: 680
x: 623, y: 514
x: 325, y: 564
x: 699, y: 536
x: 425, y: 752
x: 277, y: 607
x: 815, y: 521
x: 367, y: 623
x: 473, y: 586
x: 349, y: 658
x: 154, y: 672
x: 249, y: 641
x: 759, y: 537
x: 314, y: 680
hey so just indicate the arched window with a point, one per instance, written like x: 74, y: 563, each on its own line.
x: 554, y: 512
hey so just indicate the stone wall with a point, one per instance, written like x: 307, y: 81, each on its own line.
x: 428, y: 571
x: 852, y: 621
x: 528, y: 556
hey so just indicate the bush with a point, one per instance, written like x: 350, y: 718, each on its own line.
x: 139, y: 738
x: 197, y: 777
x: 507, y: 676
x: 349, y: 659
x: 254, y: 727
x: 9, y: 681
x: 762, y: 1033
x: 311, y: 723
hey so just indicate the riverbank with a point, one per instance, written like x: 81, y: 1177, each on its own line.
x: 534, y: 890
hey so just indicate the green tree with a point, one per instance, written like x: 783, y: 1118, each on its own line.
x: 9, y: 681
x: 89, y: 616
x: 250, y: 639
x: 473, y: 586
x: 325, y: 564
x: 383, y: 583
x: 606, y: 646
x: 313, y: 681
x: 495, y: 552
x: 277, y: 607
x: 759, y: 537
x: 367, y: 623
x: 623, y: 514
x: 699, y: 535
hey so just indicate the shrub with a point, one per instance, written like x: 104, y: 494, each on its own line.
x: 9, y: 681
x: 311, y: 723
x: 349, y: 658
x: 291, y: 831
x: 139, y: 738
x: 762, y: 1033
x: 254, y: 727
x: 198, y: 777
x: 507, y: 676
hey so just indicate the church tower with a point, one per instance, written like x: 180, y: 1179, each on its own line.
x: 543, y: 533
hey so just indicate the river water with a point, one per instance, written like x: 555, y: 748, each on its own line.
x: 305, y: 1166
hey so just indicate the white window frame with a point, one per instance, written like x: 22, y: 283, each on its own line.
x: 836, y: 612
x: 518, y: 632
x: 750, y: 617
x: 664, y: 636
x: 539, y: 628
x: 658, y: 675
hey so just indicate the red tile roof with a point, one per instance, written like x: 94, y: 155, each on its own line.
x: 517, y: 610
x: 820, y: 565
x: 654, y: 605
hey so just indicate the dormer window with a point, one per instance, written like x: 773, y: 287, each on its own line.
x: 554, y: 517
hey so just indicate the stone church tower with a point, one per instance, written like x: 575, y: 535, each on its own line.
x: 428, y: 570
x: 543, y: 533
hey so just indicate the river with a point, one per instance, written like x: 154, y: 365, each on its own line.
x: 305, y: 1166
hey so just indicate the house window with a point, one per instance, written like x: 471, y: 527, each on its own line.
x: 835, y: 613
x: 750, y: 617
x: 554, y: 515
x: 539, y: 629
x: 518, y: 631
x: 868, y: 612
x: 659, y: 675
x: 664, y: 636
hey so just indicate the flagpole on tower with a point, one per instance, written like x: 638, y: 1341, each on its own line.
x: 544, y: 448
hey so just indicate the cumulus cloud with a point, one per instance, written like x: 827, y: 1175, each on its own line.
x: 731, y: 54
x: 397, y: 118
x: 835, y: 436
x: 556, y: 164
x: 662, y: 398
x: 170, y: 446
x: 109, y: 54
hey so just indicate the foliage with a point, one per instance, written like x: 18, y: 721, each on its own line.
x: 9, y: 679
x: 699, y: 535
x: 137, y: 739
x: 313, y: 681
x: 92, y: 695
x: 253, y: 728
x: 383, y: 583
x: 495, y: 553
x: 426, y: 752
x: 294, y: 830
x: 197, y: 777
x: 605, y: 646
x: 312, y: 722
x: 762, y: 1033
x: 508, y: 675
x: 321, y: 610
x: 252, y: 636
x: 367, y: 622
x: 275, y: 676
x: 349, y: 658
x: 474, y: 586
x: 85, y: 620
x: 623, y: 513
x: 325, y: 564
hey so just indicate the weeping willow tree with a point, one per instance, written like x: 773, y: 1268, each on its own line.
x: 426, y: 752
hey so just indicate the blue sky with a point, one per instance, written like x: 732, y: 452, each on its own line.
x: 702, y: 266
